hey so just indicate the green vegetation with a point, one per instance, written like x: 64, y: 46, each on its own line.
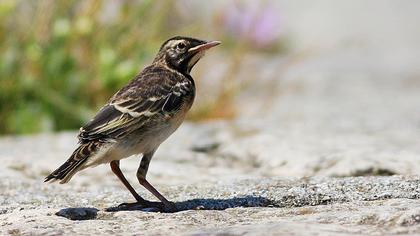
x: 61, y: 60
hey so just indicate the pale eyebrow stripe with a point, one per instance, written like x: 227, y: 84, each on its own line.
x: 172, y: 43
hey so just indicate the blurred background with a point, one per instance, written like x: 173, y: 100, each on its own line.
x: 60, y: 61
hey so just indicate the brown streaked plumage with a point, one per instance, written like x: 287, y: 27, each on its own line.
x: 140, y: 116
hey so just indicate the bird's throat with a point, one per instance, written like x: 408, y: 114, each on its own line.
x: 193, y: 60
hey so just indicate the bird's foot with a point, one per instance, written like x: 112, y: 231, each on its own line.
x: 144, y: 206
x: 169, y: 207
x: 165, y: 206
x: 138, y: 206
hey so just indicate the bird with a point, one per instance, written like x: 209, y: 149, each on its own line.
x: 139, y: 117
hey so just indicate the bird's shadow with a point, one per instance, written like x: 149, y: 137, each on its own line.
x: 83, y: 213
x: 207, y: 204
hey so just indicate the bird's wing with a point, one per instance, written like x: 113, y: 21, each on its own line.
x: 135, y: 105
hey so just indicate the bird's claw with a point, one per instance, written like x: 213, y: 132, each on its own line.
x: 145, y: 206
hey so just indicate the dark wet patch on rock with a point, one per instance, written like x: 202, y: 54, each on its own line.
x: 80, y: 213
x: 374, y: 172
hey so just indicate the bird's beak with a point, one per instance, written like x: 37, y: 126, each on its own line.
x: 203, y: 47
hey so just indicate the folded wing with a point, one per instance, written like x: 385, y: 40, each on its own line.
x: 132, y: 107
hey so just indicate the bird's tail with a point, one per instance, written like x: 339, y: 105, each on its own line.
x: 74, y: 163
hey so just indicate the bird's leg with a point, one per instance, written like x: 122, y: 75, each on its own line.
x: 141, y: 202
x: 115, y: 167
x: 141, y: 176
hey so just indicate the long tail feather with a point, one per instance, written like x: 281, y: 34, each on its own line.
x: 73, y: 164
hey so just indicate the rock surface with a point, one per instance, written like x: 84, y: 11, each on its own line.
x: 328, y: 206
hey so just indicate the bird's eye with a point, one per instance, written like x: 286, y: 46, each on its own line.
x: 181, y: 46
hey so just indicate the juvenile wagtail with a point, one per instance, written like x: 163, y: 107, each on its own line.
x: 140, y: 116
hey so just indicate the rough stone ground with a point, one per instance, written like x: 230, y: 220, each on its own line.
x: 327, y: 146
x: 329, y: 206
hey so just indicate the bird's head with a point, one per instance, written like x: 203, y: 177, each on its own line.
x: 182, y: 53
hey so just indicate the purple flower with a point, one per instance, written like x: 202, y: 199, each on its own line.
x: 260, y: 25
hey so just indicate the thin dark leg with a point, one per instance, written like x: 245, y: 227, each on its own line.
x: 141, y: 176
x: 152, y: 189
x: 115, y: 167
